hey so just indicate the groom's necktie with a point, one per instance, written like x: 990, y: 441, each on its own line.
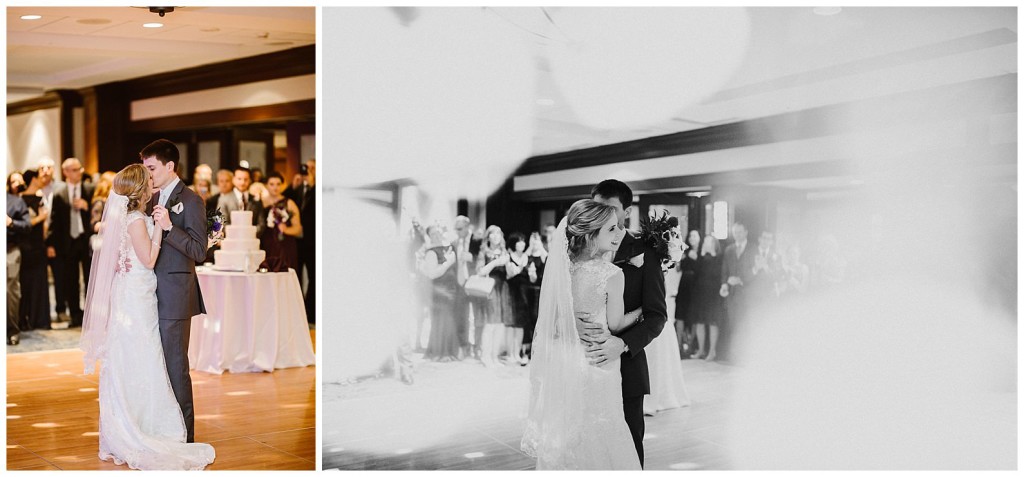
x: 245, y: 202
x: 76, y: 215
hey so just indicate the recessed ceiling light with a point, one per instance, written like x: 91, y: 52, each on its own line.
x: 152, y: 25
x: 827, y: 11
x: 31, y: 17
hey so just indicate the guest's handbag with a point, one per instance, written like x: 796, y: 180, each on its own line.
x: 480, y: 287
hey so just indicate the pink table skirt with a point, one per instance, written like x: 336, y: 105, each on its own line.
x: 254, y: 322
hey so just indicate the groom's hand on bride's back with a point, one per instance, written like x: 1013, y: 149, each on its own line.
x: 589, y: 330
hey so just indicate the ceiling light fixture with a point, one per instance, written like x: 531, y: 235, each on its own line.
x: 827, y: 11
x: 161, y: 10
x: 31, y: 17
x: 152, y: 25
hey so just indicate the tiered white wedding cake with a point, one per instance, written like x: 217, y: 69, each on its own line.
x: 240, y: 250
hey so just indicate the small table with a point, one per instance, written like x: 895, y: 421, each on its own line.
x: 254, y: 322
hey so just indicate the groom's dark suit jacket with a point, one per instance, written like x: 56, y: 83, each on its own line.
x: 645, y: 288
x: 178, y: 295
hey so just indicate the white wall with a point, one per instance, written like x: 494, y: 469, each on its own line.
x: 32, y: 136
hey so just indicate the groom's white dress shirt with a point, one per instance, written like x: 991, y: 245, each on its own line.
x: 165, y: 192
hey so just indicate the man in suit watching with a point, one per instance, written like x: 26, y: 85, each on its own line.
x: 70, y: 231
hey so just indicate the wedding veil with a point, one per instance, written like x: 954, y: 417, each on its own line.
x: 558, y: 368
x: 105, y: 263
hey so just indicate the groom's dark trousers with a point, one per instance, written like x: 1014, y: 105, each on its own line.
x: 177, y: 292
x: 645, y: 288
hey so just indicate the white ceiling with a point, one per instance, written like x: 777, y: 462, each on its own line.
x: 798, y: 59
x: 79, y: 47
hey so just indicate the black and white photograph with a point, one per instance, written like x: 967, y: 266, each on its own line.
x: 161, y: 237
x: 669, y: 238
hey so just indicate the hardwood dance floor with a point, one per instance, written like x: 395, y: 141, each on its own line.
x: 253, y: 420
x: 463, y: 416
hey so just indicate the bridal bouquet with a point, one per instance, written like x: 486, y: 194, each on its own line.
x: 276, y: 217
x: 215, y: 226
x: 660, y: 233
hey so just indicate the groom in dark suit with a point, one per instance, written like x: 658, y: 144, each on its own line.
x: 644, y: 289
x: 181, y: 214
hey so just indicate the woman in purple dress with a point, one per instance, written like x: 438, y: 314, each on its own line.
x: 283, y: 227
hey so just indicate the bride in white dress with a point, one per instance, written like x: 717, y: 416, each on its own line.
x: 140, y: 421
x: 575, y: 418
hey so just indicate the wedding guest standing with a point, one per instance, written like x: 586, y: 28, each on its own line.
x: 18, y: 227
x: 224, y: 187
x: 303, y: 193
x: 491, y: 262
x: 795, y: 274
x: 708, y: 307
x: 439, y: 266
x: 518, y: 287
x: 684, y: 293
x: 99, y: 200
x: 240, y: 199
x: 737, y: 269
x: 283, y: 225
x: 466, y: 251
x: 201, y: 186
x: 35, y: 294
x: 538, y: 256
x: 204, y: 172
x: 70, y: 229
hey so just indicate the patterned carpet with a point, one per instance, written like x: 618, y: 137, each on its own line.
x: 46, y: 340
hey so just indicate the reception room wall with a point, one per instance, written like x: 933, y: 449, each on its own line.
x: 32, y: 136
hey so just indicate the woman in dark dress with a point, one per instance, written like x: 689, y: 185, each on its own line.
x: 35, y: 293
x: 438, y: 262
x: 538, y: 256
x: 283, y: 227
x: 684, y: 295
x: 518, y: 288
x: 706, y: 303
x: 491, y: 262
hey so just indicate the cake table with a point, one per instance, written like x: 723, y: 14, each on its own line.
x: 254, y: 322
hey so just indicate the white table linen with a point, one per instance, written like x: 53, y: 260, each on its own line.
x: 254, y: 322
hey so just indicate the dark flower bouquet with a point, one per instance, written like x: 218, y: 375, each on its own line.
x: 215, y: 226
x: 660, y: 233
x: 278, y: 215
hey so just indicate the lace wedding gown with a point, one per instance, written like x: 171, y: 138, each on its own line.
x: 604, y: 439
x: 140, y: 421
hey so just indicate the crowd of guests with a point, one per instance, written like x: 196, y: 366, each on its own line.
x: 495, y: 325
x: 721, y: 288
x: 54, y: 225
x: 731, y: 286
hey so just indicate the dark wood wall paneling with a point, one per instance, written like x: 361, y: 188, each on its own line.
x: 968, y: 99
x: 282, y: 64
x: 974, y: 100
x: 295, y: 131
x: 297, y: 110
x: 111, y: 138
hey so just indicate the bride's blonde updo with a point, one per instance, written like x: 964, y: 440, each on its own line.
x: 583, y: 222
x: 133, y: 183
